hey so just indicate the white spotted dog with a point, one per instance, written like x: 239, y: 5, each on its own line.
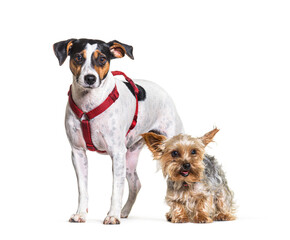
x: 101, y: 116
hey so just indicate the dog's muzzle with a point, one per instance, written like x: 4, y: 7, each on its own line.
x: 185, y: 169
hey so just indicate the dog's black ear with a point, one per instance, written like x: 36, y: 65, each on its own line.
x: 155, y: 143
x: 118, y: 49
x: 62, y: 49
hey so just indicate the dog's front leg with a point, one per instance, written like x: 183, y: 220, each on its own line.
x: 80, y: 164
x: 202, y: 214
x: 177, y: 213
x: 119, y: 174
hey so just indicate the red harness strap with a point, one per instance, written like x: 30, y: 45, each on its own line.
x: 136, y: 91
x: 85, y: 123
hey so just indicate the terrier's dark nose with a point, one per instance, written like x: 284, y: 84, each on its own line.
x: 90, y: 79
x: 186, y: 166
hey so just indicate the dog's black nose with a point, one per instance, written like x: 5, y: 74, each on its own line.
x: 90, y: 79
x: 186, y: 166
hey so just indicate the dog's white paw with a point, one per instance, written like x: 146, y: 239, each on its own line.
x: 78, y: 218
x: 111, y: 220
x: 125, y: 213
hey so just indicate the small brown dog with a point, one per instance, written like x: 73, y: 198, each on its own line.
x: 197, y: 189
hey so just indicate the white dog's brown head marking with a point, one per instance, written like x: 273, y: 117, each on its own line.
x: 90, y: 59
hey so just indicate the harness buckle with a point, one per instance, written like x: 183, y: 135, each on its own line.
x: 84, y: 117
x: 114, y: 95
x: 91, y: 147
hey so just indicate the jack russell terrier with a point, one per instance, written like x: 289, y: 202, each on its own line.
x: 108, y: 115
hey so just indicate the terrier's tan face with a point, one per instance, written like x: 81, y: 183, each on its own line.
x: 181, y: 157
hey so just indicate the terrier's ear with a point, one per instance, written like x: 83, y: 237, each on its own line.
x: 155, y: 143
x: 208, y: 137
x: 62, y: 49
x: 118, y: 49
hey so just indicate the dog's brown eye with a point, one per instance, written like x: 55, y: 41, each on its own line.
x: 174, y: 154
x: 193, y: 152
x: 78, y: 58
x: 102, y: 60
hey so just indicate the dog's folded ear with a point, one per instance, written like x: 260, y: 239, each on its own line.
x: 62, y: 49
x: 118, y: 49
x: 155, y: 143
x: 208, y: 137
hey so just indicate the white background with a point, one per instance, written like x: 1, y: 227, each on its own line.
x: 225, y: 63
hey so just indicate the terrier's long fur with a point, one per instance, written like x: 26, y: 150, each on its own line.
x: 197, y: 190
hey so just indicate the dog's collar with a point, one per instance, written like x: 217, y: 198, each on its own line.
x: 112, y: 97
x: 85, y: 117
x: 185, y: 184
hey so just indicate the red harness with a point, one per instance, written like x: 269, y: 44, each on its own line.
x: 85, y: 123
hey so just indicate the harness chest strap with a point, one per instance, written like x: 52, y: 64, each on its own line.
x: 86, y: 117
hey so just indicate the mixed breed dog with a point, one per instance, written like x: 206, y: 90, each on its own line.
x: 118, y: 117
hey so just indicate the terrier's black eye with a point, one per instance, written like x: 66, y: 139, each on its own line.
x: 78, y: 58
x: 193, y: 152
x: 174, y: 154
x: 102, y: 60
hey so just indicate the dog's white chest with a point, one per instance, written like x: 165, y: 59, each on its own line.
x: 75, y: 134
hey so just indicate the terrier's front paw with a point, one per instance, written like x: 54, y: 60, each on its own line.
x: 224, y: 217
x: 168, y: 217
x: 202, y: 219
x: 179, y: 220
x: 78, y: 218
x: 111, y: 220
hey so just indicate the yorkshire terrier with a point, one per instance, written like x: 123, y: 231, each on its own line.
x: 197, y: 190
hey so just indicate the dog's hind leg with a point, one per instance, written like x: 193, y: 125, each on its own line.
x: 224, y: 205
x: 132, y: 177
x: 80, y: 164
